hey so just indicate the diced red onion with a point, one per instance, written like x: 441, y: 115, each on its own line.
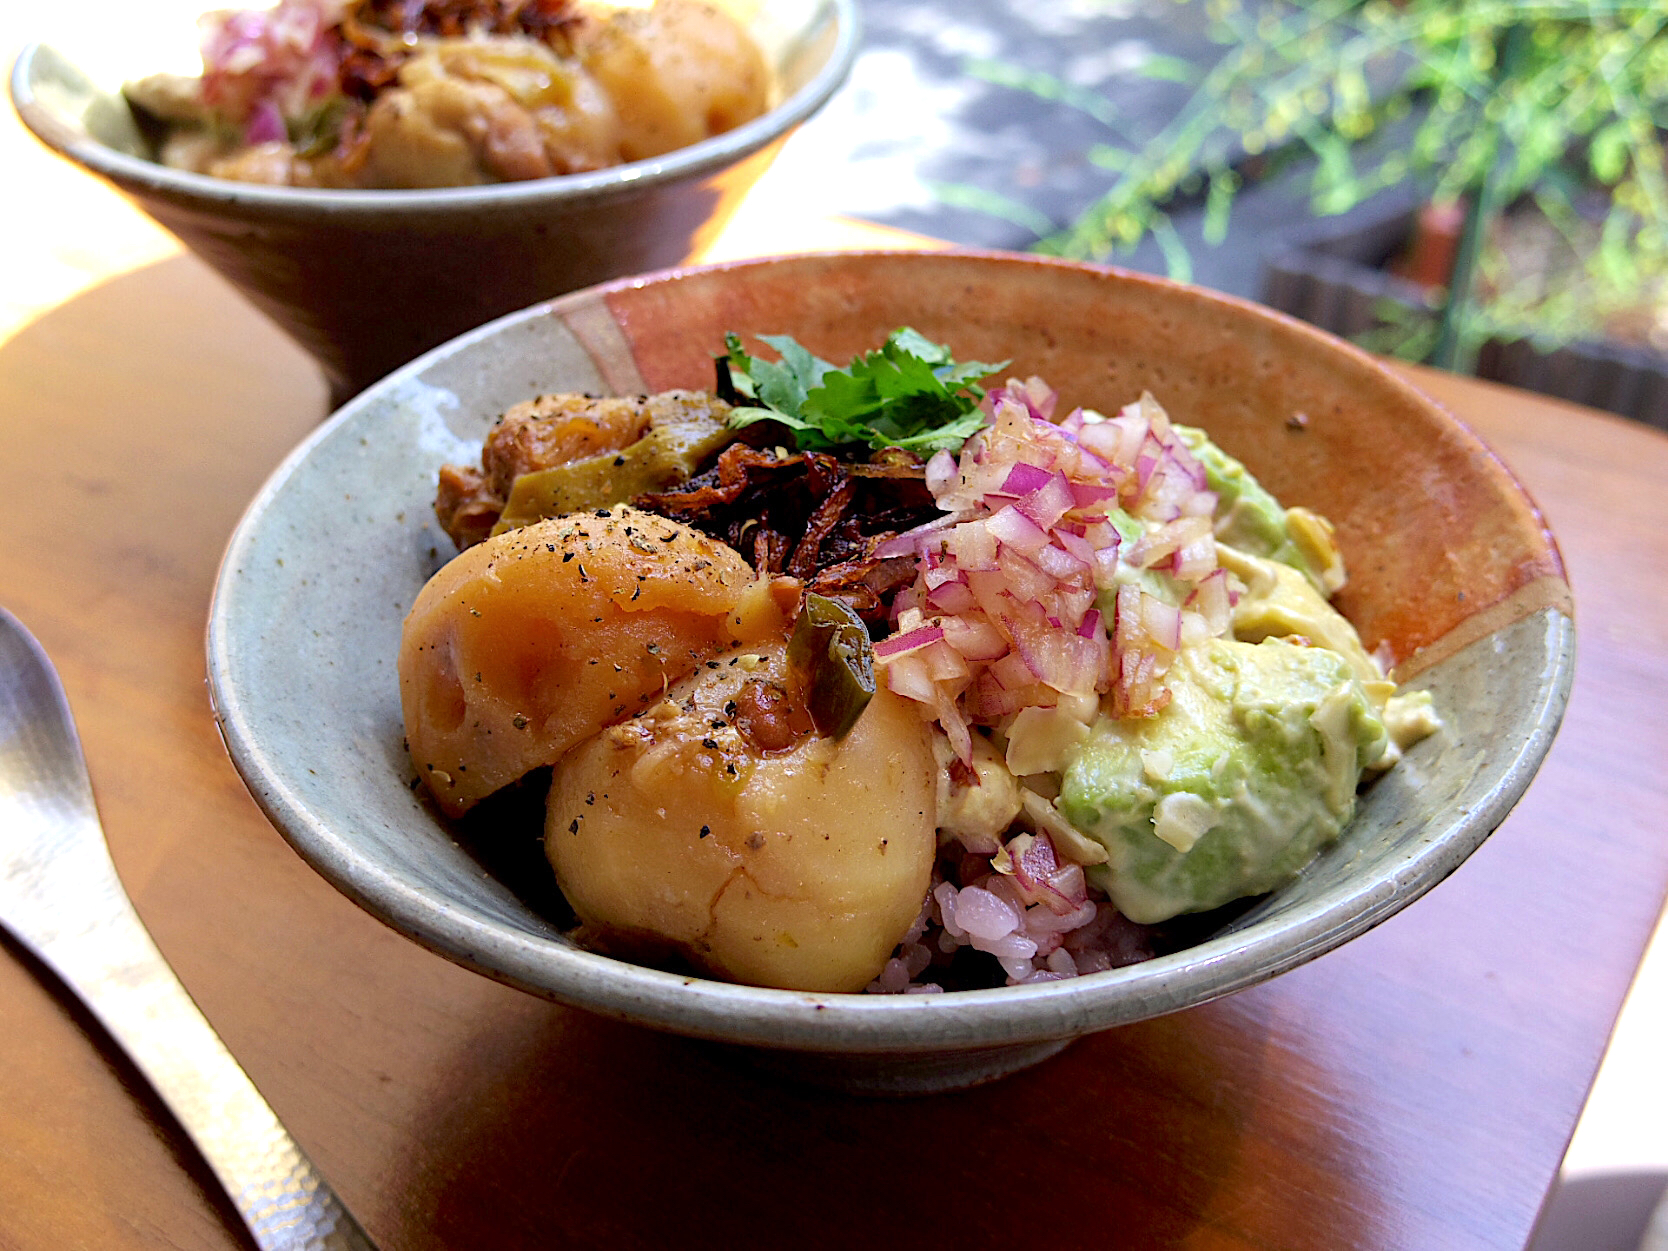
x: 976, y: 639
x: 1018, y: 531
x: 915, y: 542
x: 1039, y: 397
x: 266, y: 125
x: 1023, y: 479
x: 1035, y: 864
x: 1145, y: 466
x: 1069, y: 883
x: 1161, y: 621
x: 1200, y: 504
x: 899, y: 644
x: 1012, y: 673
x: 944, y: 663
x: 952, y: 597
x: 1088, y: 494
x: 955, y: 727
x: 991, y: 592
x: 1081, y: 914
x: 908, y: 676
x: 1210, y: 600
x: 1078, y: 546
x: 1012, y: 582
x: 1024, y: 580
x: 1105, y: 440
x: 908, y: 598
x: 1060, y: 564
x: 1049, y: 502
x: 1192, y: 466
x: 1153, y: 546
x: 989, y: 700
x: 1196, y: 558
x: 1102, y: 534
x: 941, y: 472
x: 939, y: 572
x: 973, y: 547
x: 1060, y: 660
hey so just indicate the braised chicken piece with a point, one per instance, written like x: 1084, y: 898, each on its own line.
x: 552, y: 431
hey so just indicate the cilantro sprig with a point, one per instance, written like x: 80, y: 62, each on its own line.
x: 910, y: 393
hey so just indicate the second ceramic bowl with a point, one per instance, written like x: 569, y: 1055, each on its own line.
x: 366, y: 280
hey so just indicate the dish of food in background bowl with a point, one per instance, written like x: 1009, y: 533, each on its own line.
x: 1453, y: 580
x: 365, y: 279
x: 450, y: 93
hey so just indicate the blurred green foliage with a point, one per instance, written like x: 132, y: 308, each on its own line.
x: 1505, y: 101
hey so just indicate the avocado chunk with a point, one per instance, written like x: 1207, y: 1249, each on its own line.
x: 1232, y: 787
x: 1278, y: 601
x: 1249, y: 518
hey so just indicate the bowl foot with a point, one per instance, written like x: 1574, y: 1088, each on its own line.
x: 893, y: 1074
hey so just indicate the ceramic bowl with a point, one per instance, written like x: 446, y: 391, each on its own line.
x: 1453, y: 573
x: 366, y: 280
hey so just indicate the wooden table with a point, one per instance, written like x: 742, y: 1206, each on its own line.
x: 1414, y: 1089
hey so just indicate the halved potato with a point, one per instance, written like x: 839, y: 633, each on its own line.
x: 530, y: 642
x: 720, y: 826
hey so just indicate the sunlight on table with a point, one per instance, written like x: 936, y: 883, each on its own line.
x: 73, y: 230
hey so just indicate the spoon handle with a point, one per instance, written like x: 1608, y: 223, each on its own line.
x: 61, y: 898
x: 137, y: 998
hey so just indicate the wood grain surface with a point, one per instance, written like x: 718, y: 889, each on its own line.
x: 1414, y: 1089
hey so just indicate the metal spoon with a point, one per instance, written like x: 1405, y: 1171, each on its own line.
x: 61, y: 898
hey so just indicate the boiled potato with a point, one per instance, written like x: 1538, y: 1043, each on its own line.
x: 677, y: 73
x: 483, y: 109
x: 720, y: 826
x: 528, y: 643
x: 421, y: 137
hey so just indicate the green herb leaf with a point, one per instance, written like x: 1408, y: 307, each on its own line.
x: 911, y: 393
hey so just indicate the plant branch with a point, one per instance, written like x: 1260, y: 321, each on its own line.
x: 1456, y: 348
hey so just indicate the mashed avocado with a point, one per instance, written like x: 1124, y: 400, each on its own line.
x: 1278, y: 601
x: 1231, y: 788
x: 1157, y: 582
x: 1252, y: 520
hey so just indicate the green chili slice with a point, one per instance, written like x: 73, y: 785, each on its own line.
x: 830, y: 658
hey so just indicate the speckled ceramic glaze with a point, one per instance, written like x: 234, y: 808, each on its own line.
x: 1452, y: 570
x: 365, y: 280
